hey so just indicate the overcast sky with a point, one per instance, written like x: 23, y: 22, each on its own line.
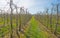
x: 32, y: 5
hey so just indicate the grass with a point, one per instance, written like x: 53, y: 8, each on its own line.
x: 33, y: 31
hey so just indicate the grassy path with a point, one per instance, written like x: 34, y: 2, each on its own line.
x: 34, y: 30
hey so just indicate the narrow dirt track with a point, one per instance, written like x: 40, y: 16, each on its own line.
x: 43, y: 28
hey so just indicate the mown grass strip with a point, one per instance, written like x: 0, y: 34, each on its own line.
x: 34, y: 31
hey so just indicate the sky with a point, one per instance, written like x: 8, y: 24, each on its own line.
x: 33, y: 6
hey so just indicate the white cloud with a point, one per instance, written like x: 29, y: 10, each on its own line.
x: 3, y: 4
x: 25, y: 3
